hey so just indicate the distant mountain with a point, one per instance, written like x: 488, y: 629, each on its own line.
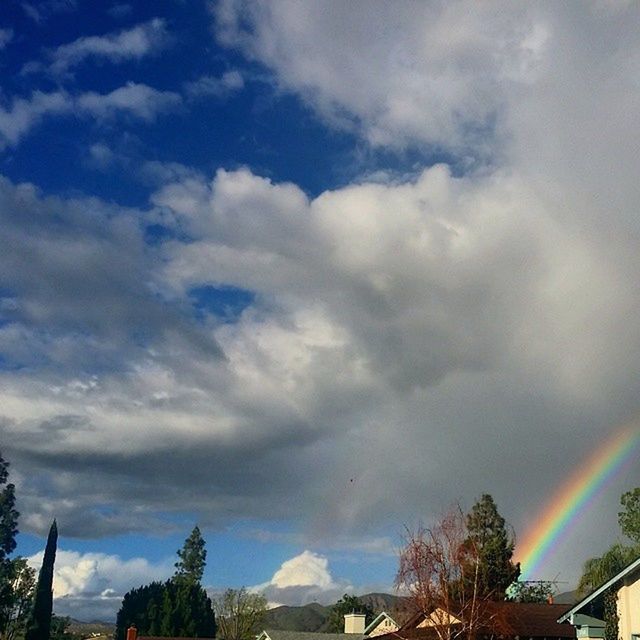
x: 310, y: 617
x: 315, y: 617
x: 92, y: 629
x: 567, y: 597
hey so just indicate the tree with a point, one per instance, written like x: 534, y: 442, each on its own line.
x: 494, y: 542
x: 39, y: 625
x: 60, y: 629
x: 239, y: 614
x: 532, y: 591
x: 192, y: 558
x: 597, y: 571
x: 169, y: 609
x: 433, y: 564
x: 629, y: 517
x: 8, y: 531
x: 14, y: 613
x: 8, y: 513
x: 348, y: 604
x: 178, y: 607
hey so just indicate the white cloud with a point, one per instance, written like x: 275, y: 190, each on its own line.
x: 137, y: 100
x: 129, y: 44
x: 302, y: 579
x: 93, y: 584
x: 305, y: 570
x: 25, y: 114
x: 230, y: 82
x: 433, y: 73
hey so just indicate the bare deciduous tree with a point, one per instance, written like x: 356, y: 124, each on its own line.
x: 239, y: 614
x: 439, y: 572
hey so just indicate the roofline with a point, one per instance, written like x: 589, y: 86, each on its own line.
x: 381, y: 615
x: 601, y: 589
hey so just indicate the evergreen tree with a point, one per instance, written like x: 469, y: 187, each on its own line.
x: 167, y: 609
x: 39, y: 626
x: 178, y: 607
x: 8, y: 514
x: 348, y: 604
x: 192, y: 558
x: 493, y: 546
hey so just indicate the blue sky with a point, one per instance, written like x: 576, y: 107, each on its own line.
x: 306, y: 273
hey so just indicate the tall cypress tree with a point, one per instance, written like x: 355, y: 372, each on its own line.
x: 39, y: 626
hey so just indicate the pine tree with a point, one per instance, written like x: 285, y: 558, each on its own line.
x: 494, y: 545
x: 348, y: 604
x: 8, y: 514
x: 178, y: 607
x: 39, y: 626
x: 193, y: 556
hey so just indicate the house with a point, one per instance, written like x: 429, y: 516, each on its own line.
x: 273, y: 634
x: 381, y: 624
x: 132, y: 634
x: 626, y: 585
x: 521, y: 621
x: 354, y: 629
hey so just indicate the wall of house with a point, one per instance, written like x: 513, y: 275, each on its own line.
x: 629, y: 607
x: 386, y: 626
x: 438, y: 617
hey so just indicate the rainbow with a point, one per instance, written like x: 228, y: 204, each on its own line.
x: 574, y: 498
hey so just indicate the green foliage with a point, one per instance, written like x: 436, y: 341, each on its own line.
x: 629, y: 517
x: 8, y: 532
x: 21, y: 583
x: 239, y: 614
x: 192, y: 558
x: 8, y: 513
x: 597, y: 571
x: 348, y: 604
x: 60, y: 629
x: 493, y: 545
x: 178, y: 607
x: 532, y: 591
x: 39, y: 624
x: 610, y: 616
x: 173, y: 608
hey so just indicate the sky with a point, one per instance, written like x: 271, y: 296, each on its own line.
x: 307, y: 274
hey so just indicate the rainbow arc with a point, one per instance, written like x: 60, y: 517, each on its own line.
x: 574, y: 498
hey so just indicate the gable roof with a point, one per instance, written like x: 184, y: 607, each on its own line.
x: 507, y: 619
x: 276, y: 634
x: 630, y: 568
x: 377, y: 620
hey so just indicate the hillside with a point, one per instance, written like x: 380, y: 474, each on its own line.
x: 315, y: 617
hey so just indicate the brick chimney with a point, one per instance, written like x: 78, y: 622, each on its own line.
x: 132, y: 632
x: 353, y: 623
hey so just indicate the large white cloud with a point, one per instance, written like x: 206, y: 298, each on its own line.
x: 91, y: 585
x: 303, y: 579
